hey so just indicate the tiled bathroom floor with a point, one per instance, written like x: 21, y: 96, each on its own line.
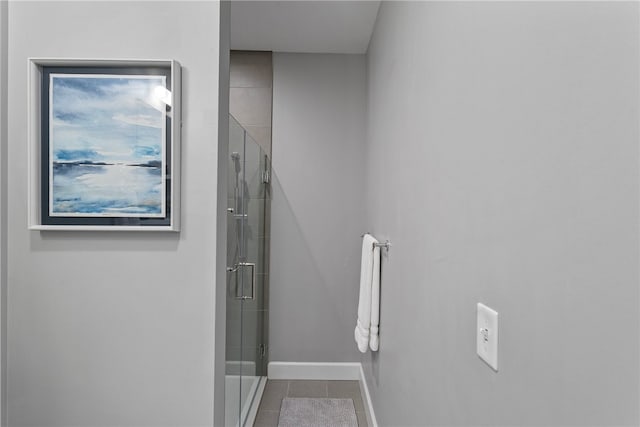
x: 269, y: 409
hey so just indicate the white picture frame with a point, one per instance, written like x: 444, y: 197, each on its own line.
x: 155, y: 173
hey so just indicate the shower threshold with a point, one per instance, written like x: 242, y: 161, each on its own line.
x: 250, y: 389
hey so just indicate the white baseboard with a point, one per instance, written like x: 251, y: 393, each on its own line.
x: 313, y: 371
x: 325, y: 371
x: 366, y: 399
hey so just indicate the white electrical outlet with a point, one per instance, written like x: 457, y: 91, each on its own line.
x: 487, y: 335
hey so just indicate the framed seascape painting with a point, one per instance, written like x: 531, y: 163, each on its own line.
x: 105, y: 145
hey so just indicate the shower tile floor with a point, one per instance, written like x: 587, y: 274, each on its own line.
x: 276, y: 390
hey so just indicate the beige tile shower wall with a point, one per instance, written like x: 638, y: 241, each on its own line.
x: 251, y: 97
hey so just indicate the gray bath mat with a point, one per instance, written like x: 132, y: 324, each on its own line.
x: 306, y: 412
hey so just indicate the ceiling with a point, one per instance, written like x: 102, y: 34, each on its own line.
x: 303, y: 26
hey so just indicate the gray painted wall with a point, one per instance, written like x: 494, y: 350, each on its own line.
x: 508, y: 137
x: 317, y: 207
x: 221, y: 220
x: 115, y: 328
x: 3, y: 211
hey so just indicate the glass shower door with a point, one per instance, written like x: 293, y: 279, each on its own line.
x: 245, y: 342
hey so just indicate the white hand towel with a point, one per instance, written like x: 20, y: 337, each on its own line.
x: 363, y: 323
x: 375, y: 301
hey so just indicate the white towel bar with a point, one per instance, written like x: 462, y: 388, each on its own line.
x: 386, y: 245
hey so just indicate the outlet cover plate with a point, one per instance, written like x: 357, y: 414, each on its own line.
x: 487, y: 335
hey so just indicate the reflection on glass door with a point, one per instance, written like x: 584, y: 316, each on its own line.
x: 246, y: 274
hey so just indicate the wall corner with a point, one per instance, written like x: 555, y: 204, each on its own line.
x: 221, y: 222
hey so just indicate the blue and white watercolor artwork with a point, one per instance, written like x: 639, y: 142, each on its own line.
x: 107, y: 139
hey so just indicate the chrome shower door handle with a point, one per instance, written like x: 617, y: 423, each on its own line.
x: 245, y: 270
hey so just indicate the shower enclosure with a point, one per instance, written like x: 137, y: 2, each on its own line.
x: 248, y: 219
